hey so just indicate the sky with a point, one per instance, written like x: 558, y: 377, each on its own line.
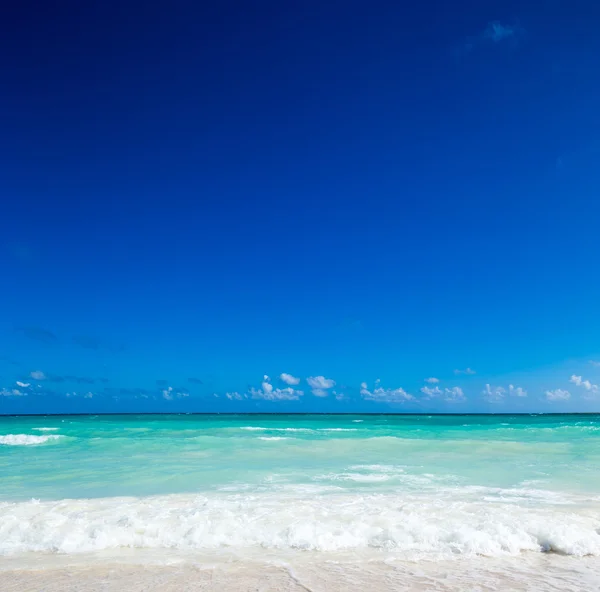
x: 300, y: 206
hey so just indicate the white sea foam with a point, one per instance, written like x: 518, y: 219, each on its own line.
x: 26, y: 439
x: 417, y: 527
x: 338, y: 430
x: 272, y: 438
x: 377, y: 468
x: 45, y: 429
x: 261, y: 429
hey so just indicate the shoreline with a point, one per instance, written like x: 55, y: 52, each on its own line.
x: 526, y: 572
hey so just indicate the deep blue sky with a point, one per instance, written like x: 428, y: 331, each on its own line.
x: 353, y: 190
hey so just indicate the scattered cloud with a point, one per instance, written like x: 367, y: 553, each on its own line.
x: 170, y: 393
x: 12, y: 393
x: 87, y: 395
x: 23, y: 384
x: 467, y: 371
x: 39, y: 375
x: 586, y: 384
x: 452, y: 395
x: 381, y: 395
x: 516, y: 391
x: 431, y: 392
x: 319, y: 392
x: 432, y: 380
x: 235, y: 396
x: 320, y: 384
x: 558, y: 395
x: 493, y: 394
x: 289, y: 379
x: 268, y: 393
x: 497, y: 32
x: 195, y: 380
x: 592, y: 389
x: 37, y: 334
x: 595, y: 363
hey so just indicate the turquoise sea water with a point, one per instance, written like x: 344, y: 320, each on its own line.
x: 420, y: 486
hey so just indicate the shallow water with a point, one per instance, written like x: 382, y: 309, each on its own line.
x: 356, y: 489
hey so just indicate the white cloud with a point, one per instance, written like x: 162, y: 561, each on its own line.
x: 289, y: 379
x: 498, y: 32
x: 37, y: 375
x: 432, y: 392
x: 382, y: 395
x: 319, y: 392
x: 516, y: 391
x: 493, y: 394
x: 319, y: 385
x: 169, y: 394
x: 595, y: 363
x: 23, y: 384
x: 286, y: 394
x: 268, y: 393
x: 12, y: 393
x: 452, y: 395
x: 558, y: 395
x: 87, y: 395
x: 586, y: 384
x: 320, y: 382
x: 235, y: 396
x: 432, y: 380
x: 339, y: 396
x: 495, y: 33
x: 467, y: 371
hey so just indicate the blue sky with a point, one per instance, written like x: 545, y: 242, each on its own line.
x: 360, y: 195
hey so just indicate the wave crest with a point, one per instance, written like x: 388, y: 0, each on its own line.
x: 26, y: 439
x: 421, y: 527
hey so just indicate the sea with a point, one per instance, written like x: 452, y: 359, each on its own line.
x: 300, y: 502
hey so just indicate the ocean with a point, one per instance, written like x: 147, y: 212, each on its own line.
x: 439, y: 502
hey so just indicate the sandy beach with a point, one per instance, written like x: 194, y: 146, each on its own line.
x: 537, y: 573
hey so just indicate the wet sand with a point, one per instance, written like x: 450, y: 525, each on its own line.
x: 538, y: 573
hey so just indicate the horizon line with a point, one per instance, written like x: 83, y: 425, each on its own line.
x: 437, y: 414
